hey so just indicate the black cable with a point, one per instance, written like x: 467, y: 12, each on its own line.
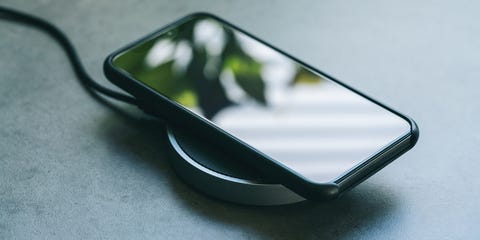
x: 77, y: 65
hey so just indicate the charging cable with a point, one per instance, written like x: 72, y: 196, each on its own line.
x: 67, y: 45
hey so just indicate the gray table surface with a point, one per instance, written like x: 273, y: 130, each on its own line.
x: 72, y: 168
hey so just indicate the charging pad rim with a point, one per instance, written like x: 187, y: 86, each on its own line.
x: 225, y: 187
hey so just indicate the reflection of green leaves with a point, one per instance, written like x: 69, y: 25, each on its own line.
x: 305, y: 77
x: 247, y: 75
x: 197, y: 82
x: 159, y: 78
x: 134, y: 59
x: 187, y: 98
x: 243, y: 65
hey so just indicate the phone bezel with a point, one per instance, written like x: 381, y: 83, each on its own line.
x: 176, y: 114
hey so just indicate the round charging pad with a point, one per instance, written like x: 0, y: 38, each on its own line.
x: 216, y: 173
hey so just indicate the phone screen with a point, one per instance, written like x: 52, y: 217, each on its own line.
x: 305, y: 121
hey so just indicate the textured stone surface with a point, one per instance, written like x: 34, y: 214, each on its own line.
x: 72, y: 168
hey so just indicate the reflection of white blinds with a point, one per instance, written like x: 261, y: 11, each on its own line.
x: 319, y: 130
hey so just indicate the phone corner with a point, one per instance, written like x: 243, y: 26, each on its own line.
x: 321, y: 191
x: 414, y: 131
x: 108, y: 67
x: 200, y: 14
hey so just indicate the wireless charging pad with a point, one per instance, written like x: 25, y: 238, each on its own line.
x: 214, y: 172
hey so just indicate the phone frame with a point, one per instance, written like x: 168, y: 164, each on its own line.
x: 175, y: 114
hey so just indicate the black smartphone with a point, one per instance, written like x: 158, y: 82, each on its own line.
x: 295, y: 124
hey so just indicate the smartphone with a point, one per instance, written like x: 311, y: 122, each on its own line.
x: 297, y: 125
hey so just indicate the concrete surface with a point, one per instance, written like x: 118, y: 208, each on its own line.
x: 72, y: 168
